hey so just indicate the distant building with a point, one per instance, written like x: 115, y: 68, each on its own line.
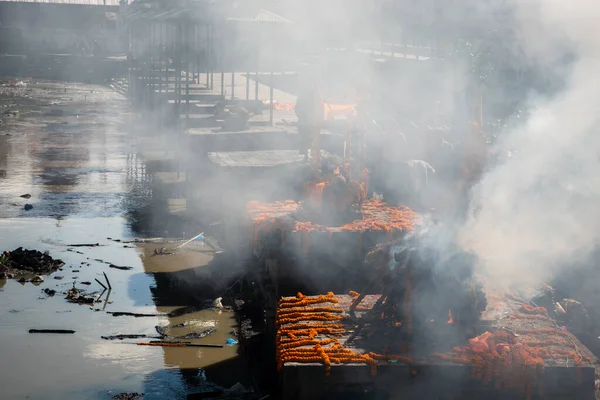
x: 58, y: 26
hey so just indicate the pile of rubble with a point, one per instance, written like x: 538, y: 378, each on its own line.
x: 22, y: 261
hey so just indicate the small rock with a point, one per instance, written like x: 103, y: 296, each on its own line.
x: 59, y: 278
x: 2, y: 172
x: 27, y: 207
x: 10, y: 275
x: 26, y: 196
x: 23, y: 280
x: 37, y: 279
x: 75, y: 270
x: 85, y: 283
x: 50, y: 292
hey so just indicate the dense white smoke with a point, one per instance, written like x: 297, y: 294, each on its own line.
x: 538, y: 212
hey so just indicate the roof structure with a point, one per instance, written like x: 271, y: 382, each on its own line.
x: 261, y: 15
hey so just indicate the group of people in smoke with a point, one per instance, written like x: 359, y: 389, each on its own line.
x: 458, y: 165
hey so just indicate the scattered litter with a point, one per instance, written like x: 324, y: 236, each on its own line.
x: 65, y: 331
x: 79, y: 296
x: 197, y: 335
x: 137, y: 315
x: 120, y: 267
x: 231, y: 342
x: 162, y: 330
x: 125, y: 336
x: 101, y: 284
x: 162, y: 251
x: 178, y: 344
x: 107, y: 281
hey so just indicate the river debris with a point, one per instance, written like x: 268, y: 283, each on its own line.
x: 124, y: 268
x: 61, y: 331
x: 128, y: 336
x: 101, y: 284
x: 162, y: 330
x: 197, y: 335
x: 79, y: 296
x: 178, y: 344
x: 21, y: 261
x: 107, y: 281
x: 137, y: 315
x: 215, y: 305
x: 162, y: 252
x: 128, y: 396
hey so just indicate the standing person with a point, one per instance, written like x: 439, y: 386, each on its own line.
x: 310, y: 113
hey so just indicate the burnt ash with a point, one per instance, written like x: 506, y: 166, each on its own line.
x: 29, y: 261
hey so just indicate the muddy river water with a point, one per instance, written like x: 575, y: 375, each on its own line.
x: 70, y: 148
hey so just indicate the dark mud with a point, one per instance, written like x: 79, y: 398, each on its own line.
x: 21, y: 261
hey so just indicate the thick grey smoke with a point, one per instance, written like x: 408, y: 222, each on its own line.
x: 537, y: 212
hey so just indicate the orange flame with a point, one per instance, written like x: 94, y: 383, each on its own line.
x: 450, y: 318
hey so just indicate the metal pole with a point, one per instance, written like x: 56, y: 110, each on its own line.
x: 271, y: 100
x: 247, y: 85
x: 222, y: 80
x: 256, y: 86
x: 209, y: 55
x: 187, y: 71
x: 206, y: 54
x: 160, y: 57
x: 232, y: 83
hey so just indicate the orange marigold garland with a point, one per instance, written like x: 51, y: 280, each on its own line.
x: 315, y: 339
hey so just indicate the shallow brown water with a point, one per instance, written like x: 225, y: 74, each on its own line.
x: 84, y: 178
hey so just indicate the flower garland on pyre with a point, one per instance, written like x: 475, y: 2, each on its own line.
x: 309, y: 331
x: 376, y: 216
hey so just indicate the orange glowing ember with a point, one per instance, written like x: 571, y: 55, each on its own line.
x: 284, y: 107
x: 450, y: 319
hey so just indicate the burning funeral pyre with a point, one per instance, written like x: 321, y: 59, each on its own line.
x: 425, y: 281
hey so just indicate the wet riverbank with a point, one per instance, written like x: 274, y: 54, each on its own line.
x: 71, y: 147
